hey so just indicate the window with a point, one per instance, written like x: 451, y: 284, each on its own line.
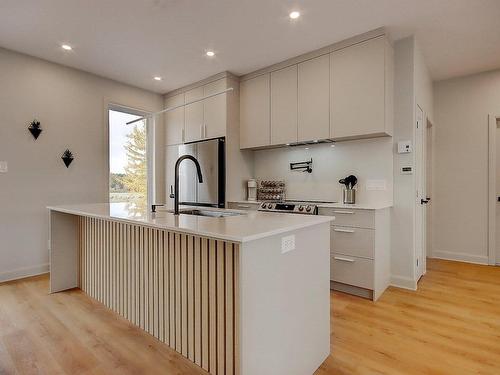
x: 130, y: 164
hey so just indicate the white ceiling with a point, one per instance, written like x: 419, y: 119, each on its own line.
x: 133, y: 40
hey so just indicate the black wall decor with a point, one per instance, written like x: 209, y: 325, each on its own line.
x: 35, y: 128
x: 67, y: 157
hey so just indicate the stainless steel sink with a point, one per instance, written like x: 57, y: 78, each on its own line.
x: 209, y: 213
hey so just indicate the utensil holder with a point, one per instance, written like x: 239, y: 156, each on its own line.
x: 349, y: 196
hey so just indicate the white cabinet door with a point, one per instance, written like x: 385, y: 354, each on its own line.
x: 174, y: 121
x: 358, y: 90
x: 215, y: 110
x: 314, y: 99
x: 284, y: 106
x: 255, y: 127
x: 194, y: 115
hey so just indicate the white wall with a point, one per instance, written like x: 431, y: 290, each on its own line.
x: 366, y: 159
x: 460, y: 206
x: 412, y: 87
x: 71, y: 106
x: 403, y: 212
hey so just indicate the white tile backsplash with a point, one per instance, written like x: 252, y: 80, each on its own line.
x: 369, y: 160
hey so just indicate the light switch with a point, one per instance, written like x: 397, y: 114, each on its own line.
x: 404, y: 147
x: 287, y: 244
x: 4, y: 167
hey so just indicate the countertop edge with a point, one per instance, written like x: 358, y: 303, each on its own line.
x: 320, y: 220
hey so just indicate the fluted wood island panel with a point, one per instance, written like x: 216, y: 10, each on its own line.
x: 225, y: 292
x: 180, y: 288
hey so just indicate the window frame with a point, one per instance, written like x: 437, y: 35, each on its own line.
x: 150, y: 148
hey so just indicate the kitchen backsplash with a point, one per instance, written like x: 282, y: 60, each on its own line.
x: 370, y: 160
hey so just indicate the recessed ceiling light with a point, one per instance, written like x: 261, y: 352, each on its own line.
x: 66, y: 47
x: 157, y: 78
x: 210, y: 53
x: 294, y: 15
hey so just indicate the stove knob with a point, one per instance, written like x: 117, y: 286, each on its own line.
x: 269, y: 205
x: 301, y: 208
x: 308, y: 208
x: 263, y: 205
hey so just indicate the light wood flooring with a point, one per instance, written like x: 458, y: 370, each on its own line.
x: 451, y: 325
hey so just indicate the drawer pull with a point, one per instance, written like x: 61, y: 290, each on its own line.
x: 344, y: 259
x: 344, y: 212
x: 344, y: 230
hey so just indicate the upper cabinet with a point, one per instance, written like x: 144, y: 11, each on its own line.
x: 284, y: 105
x: 214, y: 110
x: 194, y: 125
x: 203, y: 119
x: 255, y: 126
x: 174, y: 120
x: 361, y: 90
x: 314, y: 99
x: 343, y: 94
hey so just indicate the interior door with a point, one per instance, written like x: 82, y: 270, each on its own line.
x: 421, y: 197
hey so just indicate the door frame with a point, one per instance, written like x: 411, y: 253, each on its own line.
x: 429, y: 176
x: 492, y: 129
x: 420, y: 162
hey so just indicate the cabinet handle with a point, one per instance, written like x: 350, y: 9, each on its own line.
x: 183, y: 135
x: 343, y: 230
x: 344, y: 212
x: 344, y: 259
x: 205, y: 131
x: 242, y: 206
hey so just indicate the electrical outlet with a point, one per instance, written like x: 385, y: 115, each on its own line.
x: 287, y: 244
x: 4, y: 167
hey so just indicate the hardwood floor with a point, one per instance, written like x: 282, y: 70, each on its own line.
x: 451, y: 325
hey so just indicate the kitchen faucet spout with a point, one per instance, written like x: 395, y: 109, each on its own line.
x: 176, y: 182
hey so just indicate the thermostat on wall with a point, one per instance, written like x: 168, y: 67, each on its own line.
x: 404, y: 147
x: 406, y: 169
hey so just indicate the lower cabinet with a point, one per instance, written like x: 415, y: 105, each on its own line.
x: 359, y: 251
x: 352, y: 270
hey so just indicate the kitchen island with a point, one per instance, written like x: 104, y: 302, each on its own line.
x: 244, y: 294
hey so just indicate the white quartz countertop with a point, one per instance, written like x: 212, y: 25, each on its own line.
x: 364, y: 206
x: 249, y: 226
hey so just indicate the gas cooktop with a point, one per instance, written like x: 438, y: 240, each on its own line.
x: 305, y: 207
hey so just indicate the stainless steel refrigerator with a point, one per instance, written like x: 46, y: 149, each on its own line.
x: 211, y: 156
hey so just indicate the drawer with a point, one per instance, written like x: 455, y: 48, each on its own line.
x: 351, y: 217
x: 352, y: 270
x: 243, y: 206
x: 358, y: 242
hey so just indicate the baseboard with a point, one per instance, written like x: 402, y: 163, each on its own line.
x: 403, y: 282
x: 21, y: 273
x: 460, y: 257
